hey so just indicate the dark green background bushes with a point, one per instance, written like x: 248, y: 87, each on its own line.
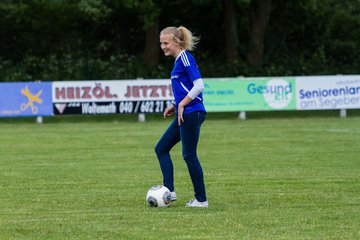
x: 104, y: 39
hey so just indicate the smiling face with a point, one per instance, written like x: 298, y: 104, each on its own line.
x: 169, y: 46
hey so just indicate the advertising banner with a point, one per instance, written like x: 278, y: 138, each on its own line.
x: 153, y: 96
x: 25, y: 99
x: 249, y: 94
x: 111, y: 97
x: 328, y: 92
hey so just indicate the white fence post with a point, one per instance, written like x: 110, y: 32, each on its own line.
x: 242, y: 115
x: 141, y: 117
x: 343, y: 113
x: 39, y: 119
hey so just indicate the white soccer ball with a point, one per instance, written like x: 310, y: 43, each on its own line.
x: 158, y: 196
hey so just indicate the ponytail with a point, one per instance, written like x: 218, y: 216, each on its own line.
x: 182, y: 36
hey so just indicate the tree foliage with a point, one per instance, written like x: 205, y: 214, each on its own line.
x: 118, y: 39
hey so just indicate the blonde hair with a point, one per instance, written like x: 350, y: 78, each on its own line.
x: 182, y: 36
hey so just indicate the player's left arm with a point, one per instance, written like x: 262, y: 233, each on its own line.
x: 193, y: 93
x: 192, y: 70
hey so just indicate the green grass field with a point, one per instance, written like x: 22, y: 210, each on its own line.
x: 287, y: 178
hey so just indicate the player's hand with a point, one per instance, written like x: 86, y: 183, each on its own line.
x: 181, y: 108
x: 169, y: 111
x: 180, y: 114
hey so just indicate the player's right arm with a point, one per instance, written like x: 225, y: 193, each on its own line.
x: 169, y: 111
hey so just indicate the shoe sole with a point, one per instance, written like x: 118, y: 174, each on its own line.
x: 198, y: 206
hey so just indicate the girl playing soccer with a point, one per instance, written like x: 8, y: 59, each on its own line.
x: 187, y: 86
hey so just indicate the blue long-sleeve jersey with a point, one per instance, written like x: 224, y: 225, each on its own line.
x: 185, y: 71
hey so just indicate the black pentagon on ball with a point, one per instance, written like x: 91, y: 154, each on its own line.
x: 152, y: 202
x: 167, y: 198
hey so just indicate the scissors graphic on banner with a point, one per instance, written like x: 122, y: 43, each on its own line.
x: 31, y: 99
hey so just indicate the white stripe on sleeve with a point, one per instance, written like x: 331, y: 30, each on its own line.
x: 184, y: 59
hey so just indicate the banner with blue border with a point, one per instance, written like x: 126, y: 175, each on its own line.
x: 26, y: 99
